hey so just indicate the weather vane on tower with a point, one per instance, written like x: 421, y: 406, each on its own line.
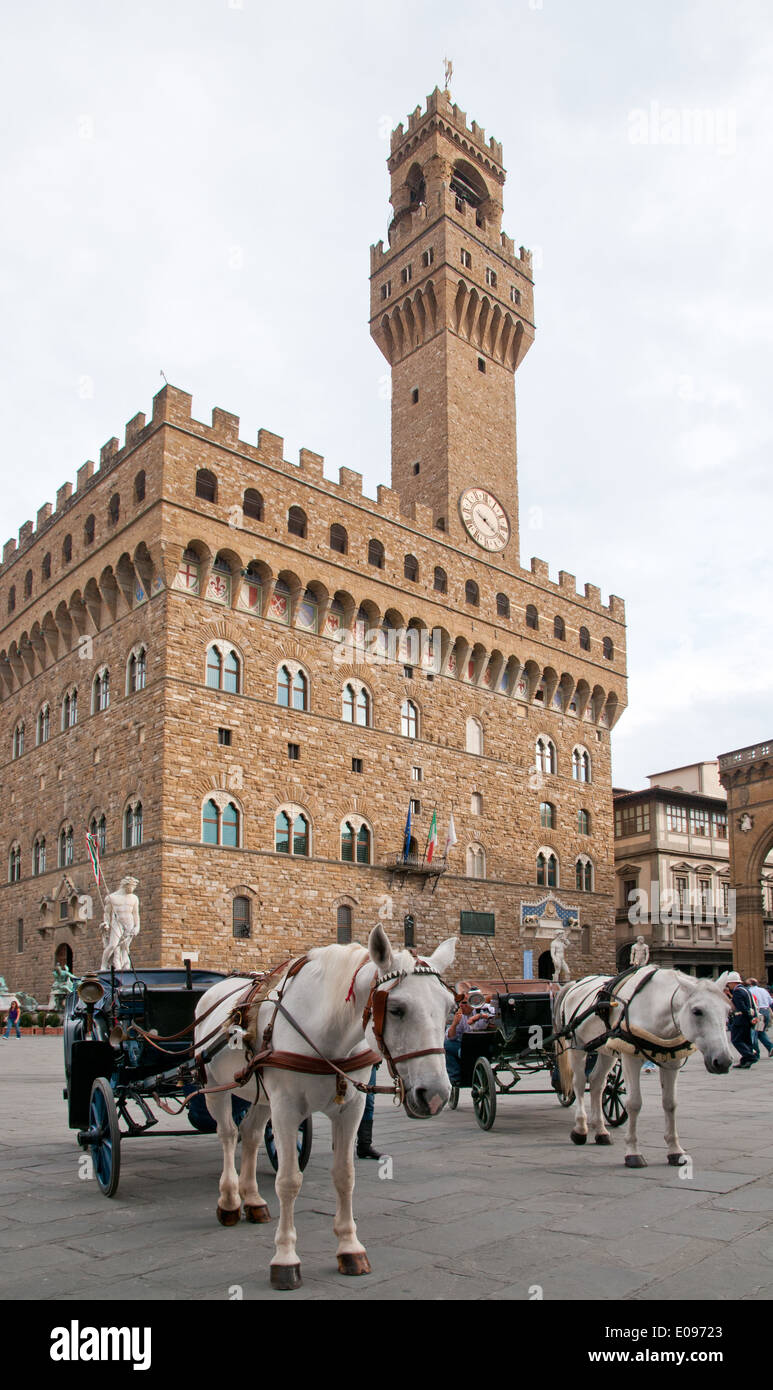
x: 449, y: 74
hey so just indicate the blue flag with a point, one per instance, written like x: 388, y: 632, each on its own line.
x: 407, y: 840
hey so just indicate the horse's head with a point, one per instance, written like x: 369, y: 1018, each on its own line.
x: 416, y: 1007
x: 702, y: 1018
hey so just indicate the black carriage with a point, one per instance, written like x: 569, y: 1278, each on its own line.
x: 128, y: 1047
x: 493, y: 1062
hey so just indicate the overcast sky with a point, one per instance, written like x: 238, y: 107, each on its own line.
x: 193, y: 187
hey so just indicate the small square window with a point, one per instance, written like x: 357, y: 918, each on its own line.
x: 415, y: 395
x: 416, y: 774
x: 428, y: 256
x: 356, y: 764
x: 415, y: 807
x: 481, y: 364
x: 515, y: 294
x: 224, y: 737
x: 294, y: 752
x: 408, y: 672
x: 406, y: 274
x: 491, y: 276
x: 416, y: 469
x: 466, y: 260
x: 386, y: 289
x: 476, y: 804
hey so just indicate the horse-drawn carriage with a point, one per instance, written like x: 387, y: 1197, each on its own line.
x: 128, y: 1046
x: 521, y: 1043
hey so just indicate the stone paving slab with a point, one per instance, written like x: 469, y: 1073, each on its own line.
x: 465, y: 1215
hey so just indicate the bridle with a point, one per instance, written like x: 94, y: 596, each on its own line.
x: 374, y: 1014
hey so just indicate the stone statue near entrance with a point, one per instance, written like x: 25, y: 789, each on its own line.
x: 120, y: 926
x: 558, y: 956
x: 640, y: 952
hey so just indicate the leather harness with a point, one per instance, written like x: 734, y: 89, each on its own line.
x: 620, y: 1035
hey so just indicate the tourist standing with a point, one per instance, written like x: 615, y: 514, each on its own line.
x: 743, y: 1012
x: 14, y: 1014
x: 764, y: 1002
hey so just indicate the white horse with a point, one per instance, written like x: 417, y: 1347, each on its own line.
x: 669, y: 1016
x: 327, y: 998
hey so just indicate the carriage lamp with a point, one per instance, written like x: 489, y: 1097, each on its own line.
x: 90, y: 990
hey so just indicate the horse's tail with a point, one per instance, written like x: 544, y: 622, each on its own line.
x: 563, y: 1060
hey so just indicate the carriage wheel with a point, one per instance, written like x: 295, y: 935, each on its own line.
x: 453, y: 1099
x: 105, y: 1137
x: 304, y: 1144
x: 612, y: 1103
x: 484, y: 1093
x: 565, y: 1100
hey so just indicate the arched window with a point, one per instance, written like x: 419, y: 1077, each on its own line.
x: 70, y: 709
x: 291, y: 833
x: 355, y: 843
x: 101, y: 695
x: 583, y: 875
x: 376, y: 554
x: 220, y: 823
x: 356, y: 704
x: 547, y: 759
x: 229, y: 826
x: 206, y: 485
x: 503, y: 606
x: 18, y: 741
x: 471, y: 593
x: 137, y: 671
x: 559, y: 629
x: 252, y: 507
x: 296, y: 522
x: 339, y: 540
x: 132, y: 825
x: 411, y: 568
x: 114, y: 509
x: 547, y: 869
x: 584, y: 639
x: 12, y: 598
x: 139, y: 486
x: 583, y: 822
x: 344, y: 924
x: 609, y: 649
x: 223, y: 669
x: 28, y: 584
x: 14, y: 863
x: 532, y: 618
x: 39, y: 856
x: 292, y: 688
x: 210, y: 823
x: 89, y: 529
x: 441, y: 581
x: 67, y: 549
x: 409, y: 719
x: 66, y: 846
x: 45, y: 568
x: 474, y: 736
x: 581, y: 765
x: 98, y: 831
x: 547, y: 815
x: 44, y: 724
x: 476, y: 861
x: 242, y: 918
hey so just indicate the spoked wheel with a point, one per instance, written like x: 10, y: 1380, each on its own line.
x: 612, y: 1102
x: 304, y: 1144
x: 484, y: 1093
x: 103, y: 1137
x: 453, y: 1099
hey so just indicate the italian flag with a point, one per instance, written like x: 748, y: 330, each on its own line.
x: 432, y: 841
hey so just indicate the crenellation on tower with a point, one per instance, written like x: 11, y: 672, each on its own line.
x: 108, y: 452
x: 85, y: 472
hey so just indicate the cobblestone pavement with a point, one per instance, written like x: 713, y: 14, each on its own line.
x: 465, y: 1214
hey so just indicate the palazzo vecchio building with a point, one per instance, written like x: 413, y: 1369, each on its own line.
x: 238, y: 674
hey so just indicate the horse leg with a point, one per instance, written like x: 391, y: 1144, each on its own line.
x: 352, y: 1258
x: 579, y: 1134
x: 668, y: 1079
x: 251, y: 1130
x: 285, y: 1266
x: 632, y: 1065
x: 598, y: 1080
x: 229, y: 1206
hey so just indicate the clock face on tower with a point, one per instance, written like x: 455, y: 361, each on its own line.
x: 484, y: 518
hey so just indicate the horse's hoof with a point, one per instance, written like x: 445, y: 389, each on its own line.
x: 677, y: 1160
x: 258, y: 1215
x: 578, y: 1138
x: 635, y: 1161
x: 286, y: 1277
x: 354, y: 1264
x: 603, y: 1139
x: 228, y: 1218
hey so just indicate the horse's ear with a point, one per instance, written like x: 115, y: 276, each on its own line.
x: 443, y: 956
x: 380, y: 949
x: 688, y: 982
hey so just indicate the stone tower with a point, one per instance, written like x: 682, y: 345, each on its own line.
x: 452, y: 312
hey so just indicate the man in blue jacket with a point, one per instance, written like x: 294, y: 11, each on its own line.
x: 741, y: 1019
